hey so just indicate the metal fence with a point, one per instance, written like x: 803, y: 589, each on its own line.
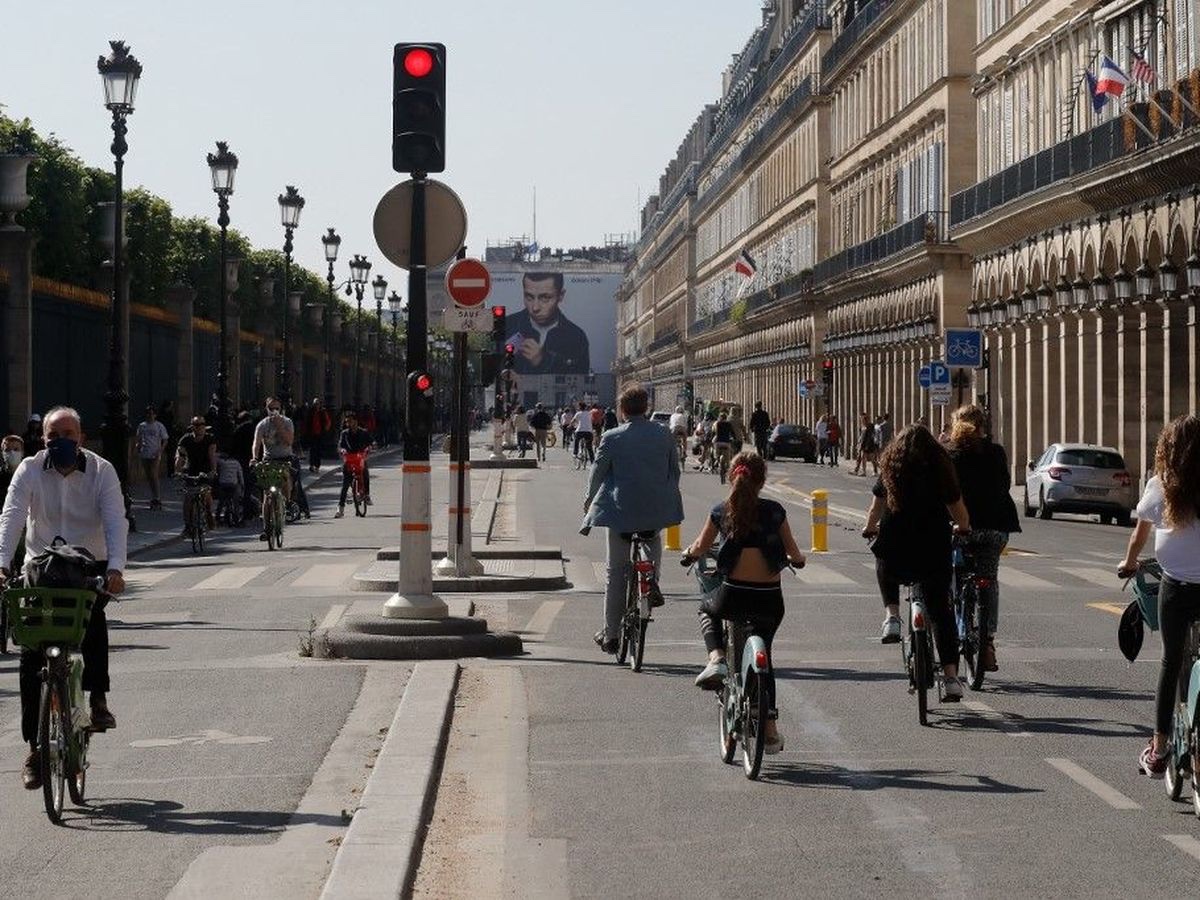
x: 853, y: 33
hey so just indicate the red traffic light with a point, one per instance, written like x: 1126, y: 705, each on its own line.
x: 509, y: 348
x: 498, y: 312
x: 418, y: 62
x: 423, y: 382
x: 828, y: 364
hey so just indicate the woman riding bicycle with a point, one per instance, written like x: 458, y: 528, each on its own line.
x: 908, y: 518
x: 1170, y: 507
x: 983, y: 475
x: 757, y: 544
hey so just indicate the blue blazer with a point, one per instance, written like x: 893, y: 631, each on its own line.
x: 635, y: 481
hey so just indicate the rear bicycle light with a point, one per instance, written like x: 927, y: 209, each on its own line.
x: 644, y: 567
x: 918, y: 620
x: 983, y: 583
x: 760, y: 658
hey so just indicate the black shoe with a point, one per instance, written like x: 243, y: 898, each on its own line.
x: 609, y: 646
x: 31, y: 772
x: 262, y: 535
x: 656, y: 596
x: 102, y: 719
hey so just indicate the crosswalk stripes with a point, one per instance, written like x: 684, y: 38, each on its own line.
x: 818, y: 574
x: 326, y: 575
x: 1015, y: 578
x: 147, y: 577
x: 230, y: 578
x: 1105, y: 578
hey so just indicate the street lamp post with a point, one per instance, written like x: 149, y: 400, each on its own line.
x: 223, y: 167
x: 290, y: 204
x: 359, y: 270
x: 119, y: 72
x: 396, y: 307
x: 379, y: 285
x: 332, y: 241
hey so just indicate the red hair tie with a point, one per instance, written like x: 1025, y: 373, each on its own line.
x: 738, y: 471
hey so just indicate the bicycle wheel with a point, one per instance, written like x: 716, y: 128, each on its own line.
x: 53, y: 730
x: 969, y: 646
x: 77, y: 777
x: 3, y: 626
x: 623, y: 636
x: 197, y: 524
x: 279, y: 523
x: 727, y: 711
x: 360, y: 499
x: 1194, y: 752
x: 268, y: 516
x: 920, y: 669
x: 754, y: 725
x: 638, y: 641
x: 198, y: 532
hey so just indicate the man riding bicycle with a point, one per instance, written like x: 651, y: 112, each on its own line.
x: 273, y: 438
x: 353, y: 439
x: 723, y: 438
x: 634, y: 487
x: 678, y: 428
x: 196, y: 457
x: 69, y: 492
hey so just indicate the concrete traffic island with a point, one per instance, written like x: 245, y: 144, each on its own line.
x: 504, y: 570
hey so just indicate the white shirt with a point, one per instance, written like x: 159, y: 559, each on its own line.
x: 678, y: 421
x: 1177, y: 549
x: 822, y: 430
x: 85, y: 508
x: 583, y: 421
x: 566, y: 419
x: 152, y: 437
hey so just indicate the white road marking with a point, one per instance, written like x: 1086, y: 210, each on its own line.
x: 1087, y: 780
x: 1000, y: 720
x: 230, y: 579
x: 540, y: 622
x: 1104, y: 578
x: 147, y: 577
x: 1184, y: 842
x: 1015, y: 578
x: 333, y: 616
x: 326, y: 575
x: 815, y: 573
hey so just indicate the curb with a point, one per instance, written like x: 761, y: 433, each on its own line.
x: 381, y: 850
x: 391, y: 554
x: 471, y: 584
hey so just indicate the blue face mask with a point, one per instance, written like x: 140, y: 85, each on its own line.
x: 63, y: 452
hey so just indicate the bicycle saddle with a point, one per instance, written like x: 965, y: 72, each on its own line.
x: 644, y: 535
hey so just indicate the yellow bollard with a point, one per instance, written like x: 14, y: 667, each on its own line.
x: 672, y: 542
x: 820, y: 521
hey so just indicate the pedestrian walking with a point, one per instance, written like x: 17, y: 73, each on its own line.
x: 316, y: 425
x: 151, y: 442
x: 833, y: 440
x: 521, y: 427
x: 866, y: 451
x: 760, y: 428
x: 883, y: 431
x: 821, y: 430
x: 33, y: 435
x: 541, y: 423
x: 566, y: 420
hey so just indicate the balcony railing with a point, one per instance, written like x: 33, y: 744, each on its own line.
x: 663, y: 340
x: 858, y: 28
x: 927, y: 228
x: 780, y: 292
x: 1103, y: 144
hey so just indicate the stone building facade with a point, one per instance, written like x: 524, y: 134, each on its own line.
x: 896, y: 167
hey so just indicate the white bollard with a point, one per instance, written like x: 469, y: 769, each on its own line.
x: 498, y: 439
x: 414, y: 597
x: 458, y: 560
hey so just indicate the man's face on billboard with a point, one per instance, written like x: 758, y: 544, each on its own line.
x: 541, y: 300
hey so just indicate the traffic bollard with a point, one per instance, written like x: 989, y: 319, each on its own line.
x: 672, y: 540
x: 820, y: 521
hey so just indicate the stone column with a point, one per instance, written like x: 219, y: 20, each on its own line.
x: 1177, y: 385
x: 1129, y: 413
x: 1152, y: 398
x: 1035, y: 383
x: 1088, y: 375
x: 1108, y: 379
x: 1016, y: 385
x: 268, y: 359
x: 16, y: 327
x: 181, y: 300
x: 1066, y: 419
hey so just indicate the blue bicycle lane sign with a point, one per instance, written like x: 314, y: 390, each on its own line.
x: 964, y: 348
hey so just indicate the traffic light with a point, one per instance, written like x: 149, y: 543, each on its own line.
x: 419, y: 108
x: 509, y: 353
x: 827, y: 373
x: 489, y: 365
x: 498, y: 321
x: 419, y: 415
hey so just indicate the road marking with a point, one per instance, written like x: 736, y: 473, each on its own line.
x: 147, y: 577
x: 1109, y: 608
x: 1017, y: 551
x: 326, y: 575
x: 540, y: 622
x: 229, y: 579
x: 1010, y: 577
x: 1184, y: 842
x: 208, y: 736
x: 1087, y: 780
x: 997, y: 718
x: 333, y: 616
x: 1099, y: 577
x: 815, y: 573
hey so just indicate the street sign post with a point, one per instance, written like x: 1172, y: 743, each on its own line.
x: 964, y: 348
x: 445, y: 220
x: 939, y: 383
x: 468, y: 282
x: 923, y: 377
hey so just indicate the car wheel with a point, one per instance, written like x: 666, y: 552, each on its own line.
x: 1028, y: 508
x: 1044, y: 511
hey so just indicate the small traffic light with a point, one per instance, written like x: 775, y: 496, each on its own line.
x: 827, y: 373
x: 419, y: 107
x: 498, y: 322
x: 509, y: 353
x: 419, y: 414
x: 489, y: 365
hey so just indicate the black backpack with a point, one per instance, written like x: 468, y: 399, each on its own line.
x: 61, y: 566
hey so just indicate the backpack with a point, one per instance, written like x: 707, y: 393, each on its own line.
x: 60, y: 566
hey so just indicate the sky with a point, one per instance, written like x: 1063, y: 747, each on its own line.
x: 586, y: 102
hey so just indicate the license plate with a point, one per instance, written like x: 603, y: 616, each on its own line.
x: 1091, y: 491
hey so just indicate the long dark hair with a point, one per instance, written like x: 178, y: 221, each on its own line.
x: 747, y: 474
x: 915, y: 461
x: 1177, y: 465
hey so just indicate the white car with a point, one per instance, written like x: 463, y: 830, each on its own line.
x: 1080, y: 478
x: 658, y: 417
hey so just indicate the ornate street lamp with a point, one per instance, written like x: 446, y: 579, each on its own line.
x: 1014, y: 305
x: 1193, y: 272
x: 1063, y: 297
x: 1168, y: 277
x: 1081, y: 290
x: 1102, y: 288
x: 1029, y: 302
x: 222, y: 166
x: 973, y: 316
x: 1123, y: 283
x: 379, y: 286
x: 331, y: 241
x: 359, y: 270
x: 119, y: 72
x: 1145, y: 281
x: 290, y: 204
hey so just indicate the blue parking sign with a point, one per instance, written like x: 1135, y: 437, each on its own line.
x: 964, y: 348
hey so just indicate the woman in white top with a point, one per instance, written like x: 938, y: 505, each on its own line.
x: 1170, y: 508
x: 521, y: 427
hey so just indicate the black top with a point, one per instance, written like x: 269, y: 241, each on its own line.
x: 196, y: 449
x: 564, y: 350
x: 354, y: 440
x: 243, y: 442
x: 866, y: 441
x: 984, y: 479
x: 540, y: 419
x: 724, y: 432
x: 760, y: 421
x: 764, y: 535
x: 915, y: 540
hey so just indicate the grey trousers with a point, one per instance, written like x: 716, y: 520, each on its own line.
x: 617, y: 562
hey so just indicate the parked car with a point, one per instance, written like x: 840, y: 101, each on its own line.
x: 659, y: 417
x: 1080, y: 478
x: 793, y: 441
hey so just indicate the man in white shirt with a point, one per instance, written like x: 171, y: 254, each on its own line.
x: 583, y: 431
x: 152, y: 439
x: 69, y: 492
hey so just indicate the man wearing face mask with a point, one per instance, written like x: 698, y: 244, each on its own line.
x: 273, y: 437
x: 69, y: 492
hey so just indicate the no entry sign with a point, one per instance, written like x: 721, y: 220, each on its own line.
x: 468, y: 283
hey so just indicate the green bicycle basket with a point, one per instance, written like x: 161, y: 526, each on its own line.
x: 271, y: 474
x: 1145, y: 588
x: 38, y: 617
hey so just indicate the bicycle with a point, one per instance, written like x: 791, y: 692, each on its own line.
x: 53, y: 622
x: 355, y: 462
x: 272, y: 478
x: 196, y: 492
x: 681, y: 448
x: 631, y: 642
x: 969, y: 613
x: 229, y: 506
x: 724, y: 452
x: 917, y: 651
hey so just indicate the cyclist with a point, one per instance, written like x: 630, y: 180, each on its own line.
x: 908, y: 517
x: 982, y: 469
x: 273, y: 437
x: 582, y: 425
x: 757, y: 544
x: 353, y: 439
x: 1170, y: 507
x: 634, y: 486
x: 196, y: 457
x: 566, y: 421
x: 723, y: 438
x: 69, y: 492
x: 678, y: 428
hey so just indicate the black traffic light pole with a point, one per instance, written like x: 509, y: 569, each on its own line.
x: 416, y: 439
x: 459, y: 442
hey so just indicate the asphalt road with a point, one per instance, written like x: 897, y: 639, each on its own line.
x: 222, y: 725
x: 566, y: 774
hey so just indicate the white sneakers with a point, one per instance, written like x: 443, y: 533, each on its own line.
x: 890, y: 633
x: 953, y: 690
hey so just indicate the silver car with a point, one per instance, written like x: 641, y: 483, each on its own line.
x: 1080, y: 478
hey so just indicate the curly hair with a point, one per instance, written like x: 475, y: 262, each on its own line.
x: 915, y: 461
x: 747, y: 475
x: 968, y: 427
x: 1177, y: 465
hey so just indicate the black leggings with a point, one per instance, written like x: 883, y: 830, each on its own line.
x: 935, y: 590
x: 759, y: 605
x: 1178, y: 607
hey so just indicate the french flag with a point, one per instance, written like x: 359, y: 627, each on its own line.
x: 745, y: 265
x: 1111, y: 80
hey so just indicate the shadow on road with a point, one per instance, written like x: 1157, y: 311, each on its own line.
x: 1069, y: 691
x: 824, y: 776
x: 836, y: 674
x: 169, y: 817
